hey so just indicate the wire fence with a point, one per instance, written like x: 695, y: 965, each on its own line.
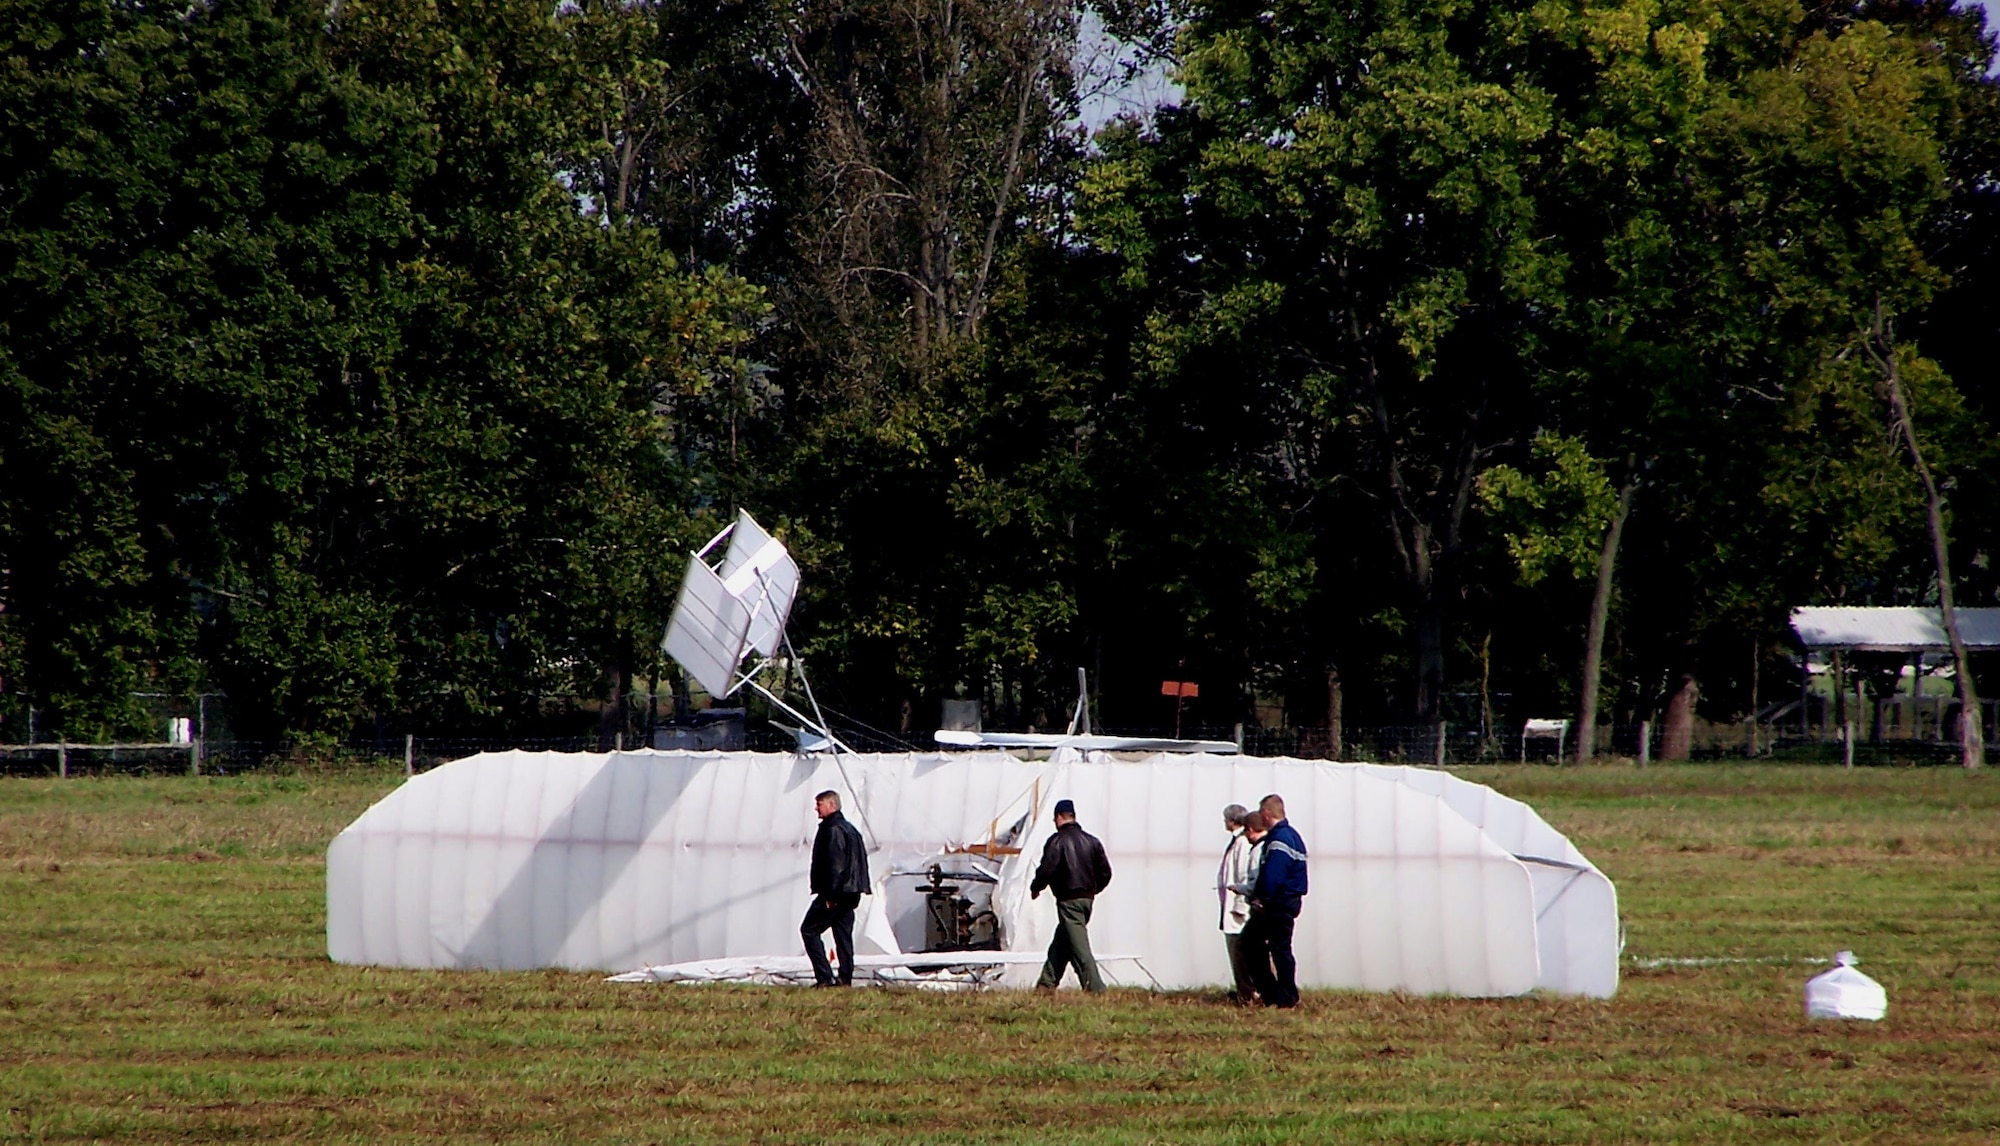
x: 1434, y: 745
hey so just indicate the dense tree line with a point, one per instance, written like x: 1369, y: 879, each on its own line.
x: 1425, y: 361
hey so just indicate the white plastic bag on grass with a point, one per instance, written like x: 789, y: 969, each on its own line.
x: 1844, y: 993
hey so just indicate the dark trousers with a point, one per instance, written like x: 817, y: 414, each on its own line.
x: 1267, y: 943
x: 1071, y: 946
x: 839, y: 917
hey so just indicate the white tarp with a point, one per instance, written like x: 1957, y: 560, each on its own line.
x: 627, y: 860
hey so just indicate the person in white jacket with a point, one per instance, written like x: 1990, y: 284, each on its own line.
x: 1236, y: 872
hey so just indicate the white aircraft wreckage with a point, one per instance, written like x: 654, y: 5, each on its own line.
x: 692, y: 866
x: 1421, y: 882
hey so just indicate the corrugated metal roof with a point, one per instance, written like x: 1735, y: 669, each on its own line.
x: 1893, y: 629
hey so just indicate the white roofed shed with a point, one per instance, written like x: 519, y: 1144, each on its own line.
x: 1892, y: 629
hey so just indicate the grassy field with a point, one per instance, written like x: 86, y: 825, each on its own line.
x: 163, y: 977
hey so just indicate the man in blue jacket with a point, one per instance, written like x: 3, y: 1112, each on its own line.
x: 1274, y: 908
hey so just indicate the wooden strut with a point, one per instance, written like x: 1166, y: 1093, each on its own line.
x: 992, y: 848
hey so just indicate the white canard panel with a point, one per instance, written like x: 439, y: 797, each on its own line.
x: 1576, y: 906
x: 760, y: 573
x: 514, y: 860
x: 708, y: 630
x: 1406, y: 894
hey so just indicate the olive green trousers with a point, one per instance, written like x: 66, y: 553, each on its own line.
x: 1071, y: 946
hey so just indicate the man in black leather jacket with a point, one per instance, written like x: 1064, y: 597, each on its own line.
x: 1074, y: 866
x: 839, y: 879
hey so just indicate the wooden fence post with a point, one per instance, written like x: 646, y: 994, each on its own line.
x: 62, y: 757
x: 1645, y: 743
x: 1440, y: 744
x: 409, y: 754
x: 194, y: 756
x: 1847, y: 735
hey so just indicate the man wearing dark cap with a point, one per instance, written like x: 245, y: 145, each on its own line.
x: 1075, y: 868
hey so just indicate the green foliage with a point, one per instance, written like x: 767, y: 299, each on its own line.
x: 1556, y: 512
x: 1839, y: 482
x: 373, y: 419
x: 383, y: 359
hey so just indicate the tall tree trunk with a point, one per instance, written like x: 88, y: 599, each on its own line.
x: 929, y: 198
x: 1333, y: 714
x: 1486, y: 689
x: 1593, y: 633
x: 1881, y: 345
x: 1004, y: 197
x: 1430, y: 658
x: 1677, y: 733
x: 1423, y: 524
x: 612, y: 718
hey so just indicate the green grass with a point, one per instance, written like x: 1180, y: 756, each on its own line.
x: 163, y: 977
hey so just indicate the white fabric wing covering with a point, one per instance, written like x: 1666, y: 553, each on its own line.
x: 1576, y: 907
x: 760, y: 573
x: 1419, y: 881
x: 706, y: 634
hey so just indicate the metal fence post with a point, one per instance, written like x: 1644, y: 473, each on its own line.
x: 409, y: 754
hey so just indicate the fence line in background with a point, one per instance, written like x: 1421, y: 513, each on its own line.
x: 1429, y: 745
